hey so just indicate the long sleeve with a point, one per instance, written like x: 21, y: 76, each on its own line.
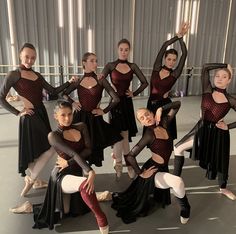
x: 56, y: 140
x: 114, y: 97
x: 9, y: 81
x: 172, y: 109
x: 68, y: 90
x: 51, y: 89
x: 178, y: 70
x: 146, y: 139
x: 232, y: 101
x: 141, y: 77
x: 108, y: 69
x: 158, y: 62
x: 205, y: 76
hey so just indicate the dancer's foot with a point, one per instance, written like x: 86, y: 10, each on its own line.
x: 22, y: 209
x: 118, y: 166
x: 104, y: 196
x: 39, y: 184
x: 228, y: 194
x: 28, y: 185
x: 104, y: 230
x: 131, y: 172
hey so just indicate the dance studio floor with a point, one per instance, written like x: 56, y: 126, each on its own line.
x: 211, y: 212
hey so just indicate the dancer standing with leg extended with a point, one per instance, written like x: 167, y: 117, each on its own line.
x: 34, y: 149
x: 122, y: 116
x: 209, y: 139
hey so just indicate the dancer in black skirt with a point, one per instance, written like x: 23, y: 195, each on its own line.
x: 209, y: 139
x: 122, y: 116
x: 154, y: 176
x: 90, y: 89
x: 69, y: 192
x: 164, y: 77
x: 34, y: 149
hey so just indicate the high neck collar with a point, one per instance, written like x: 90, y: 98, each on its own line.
x: 220, y: 90
x: 122, y: 61
x: 88, y: 74
x: 22, y: 67
x: 167, y: 68
x: 63, y: 128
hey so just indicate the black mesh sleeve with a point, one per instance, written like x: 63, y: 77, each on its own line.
x: 232, y: 101
x: 9, y: 81
x: 56, y: 140
x: 68, y: 90
x: 158, y: 62
x: 114, y: 97
x: 141, y: 77
x: 108, y: 69
x: 205, y: 76
x: 146, y: 139
x: 178, y: 70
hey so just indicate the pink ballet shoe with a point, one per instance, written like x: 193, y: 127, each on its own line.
x: 183, y: 220
x: 104, y: 230
x: 39, y: 184
x: 25, y: 208
x: 28, y: 185
x: 228, y: 194
x: 118, y: 168
x: 131, y: 172
x: 104, y: 196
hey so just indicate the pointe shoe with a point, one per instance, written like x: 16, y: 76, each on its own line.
x: 28, y: 185
x: 228, y: 194
x: 183, y: 220
x: 23, y: 209
x: 104, y: 196
x: 104, y: 230
x: 118, y: 168
x: 39, y: 184
x: 131, y: 172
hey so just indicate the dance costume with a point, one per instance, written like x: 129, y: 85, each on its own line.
x: 159, y: 87
x: 101, y: 133
x: 122, y: 116
x: 136, y: 200
x: 211, y: 145
x: 76, y: 153
x: 33, y: 129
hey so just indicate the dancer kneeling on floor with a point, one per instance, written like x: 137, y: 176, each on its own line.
x: 69, y: 192
x: 153, y: 178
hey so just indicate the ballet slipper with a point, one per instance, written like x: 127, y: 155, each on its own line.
x: 39, y: 184
x: 228, y: 194
x: 104, y: 196
x: 25, y: 208
x: 118, y: 168
x: 183, y: 220
x: 131, y: 172
x: 28, y: 185
x: 104, y: 230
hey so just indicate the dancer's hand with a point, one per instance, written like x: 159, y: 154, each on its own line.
x: 26, y: 111
x: 100, y: 76
x: 90, y: 182
x: 158, y: 115
x: 184, y: 27
x: 61, y: 163
x: 230, y: 69
x: 73, y: 79
x: 98, y: 111
x: 222, y: 125
x: 148, y: 172
x: 129, y: 93
x: 76, y: 105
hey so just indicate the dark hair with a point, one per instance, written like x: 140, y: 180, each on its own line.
x: 62, y: 104
x: 28, y: 45
x: 124, y: 41
x: 85, y: 57
x: 171, y: 51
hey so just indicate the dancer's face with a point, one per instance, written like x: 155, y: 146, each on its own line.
x: 27, y: 57
x: 64, y: 116
x: 123, y: 51
x: 222, y: 79
x: 170, y: 60
x: 91, y: 64
x: 145, y: 117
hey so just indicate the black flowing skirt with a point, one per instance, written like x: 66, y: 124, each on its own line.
x: 102, y: 134
x: 154, y: 105
x: 33, y: 137
x: 140, y: 196
x: 52, y: 210
x: 211, y: 147
x: 122, y: 116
